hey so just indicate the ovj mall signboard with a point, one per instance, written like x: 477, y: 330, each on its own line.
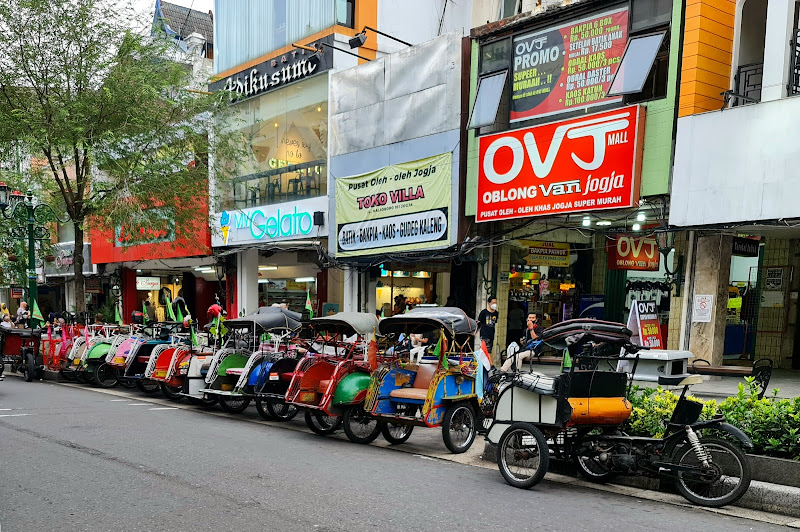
x: 401, y: 207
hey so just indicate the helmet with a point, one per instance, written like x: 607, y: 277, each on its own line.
x: 214, y: 310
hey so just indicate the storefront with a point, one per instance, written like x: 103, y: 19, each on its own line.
x: 159, y: 262
x: 566, y: 161
x: 396, y: 207
x: 58, y: 292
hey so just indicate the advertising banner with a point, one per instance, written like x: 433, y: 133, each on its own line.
x: 567, y: 67
x: 269, y: 223
x: 401, y: 207
x: 628, y: 253
x: 546, y: 253
x: 148, y: 283
x: 583, y: 164
x: 643, y: 322
x: 745, y: 247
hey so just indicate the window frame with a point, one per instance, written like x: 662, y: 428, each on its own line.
x: 646, y: 27
x: 481, y: 77
x: 632, y: 38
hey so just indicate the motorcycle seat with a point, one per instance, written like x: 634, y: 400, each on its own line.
x: 537, y: 383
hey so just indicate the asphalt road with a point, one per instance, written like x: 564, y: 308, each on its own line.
x: 77, y: 460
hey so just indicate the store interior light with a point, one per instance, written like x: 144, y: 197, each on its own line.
x: 201, y: 268
x: 603, y: 222
x: 641, y: 217
x: 586, y: 221
x: 267, y: 268
x: 305, y: 279
x: 637, y: 227
x: 319, y: 109
x: 263, y: 281
x: 138, y: 271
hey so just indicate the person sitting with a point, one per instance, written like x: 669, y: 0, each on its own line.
x: 7, y: 323
x: 529, y: 344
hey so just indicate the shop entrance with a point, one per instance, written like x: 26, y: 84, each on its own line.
x: 398, y: 290
x: 743, y: 306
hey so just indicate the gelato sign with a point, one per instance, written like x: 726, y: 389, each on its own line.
x: 270, y: 223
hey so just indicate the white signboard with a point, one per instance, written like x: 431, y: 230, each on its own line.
x: 702, y: 308
x: 270, y: 223
x: 148, y: 283
x: 772, y: 299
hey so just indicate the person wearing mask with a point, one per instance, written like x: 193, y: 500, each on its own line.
x: 23, y: 315
x: 532, y: 333
x: 151, y: 312
x: 487, y: 322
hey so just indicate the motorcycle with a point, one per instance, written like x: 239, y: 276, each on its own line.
x: 578, y: 416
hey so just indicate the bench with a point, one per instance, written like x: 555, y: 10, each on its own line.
x: 761, y: 370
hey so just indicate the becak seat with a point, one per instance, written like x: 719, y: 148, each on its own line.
x: 418, y: 391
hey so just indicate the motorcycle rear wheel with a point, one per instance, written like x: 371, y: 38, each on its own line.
x: 522, y: 455
x: 593, y: 470
x: 722, y: 484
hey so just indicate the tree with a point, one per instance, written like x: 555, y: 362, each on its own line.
x: 110, y: 111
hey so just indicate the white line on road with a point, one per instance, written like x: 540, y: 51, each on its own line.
x: 139, y: 404
x: 5, y: 409
x: 14, y: 415
x: 118, y: 400
x: 164, y: 408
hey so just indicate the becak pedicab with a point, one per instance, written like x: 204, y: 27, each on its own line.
x: 82, y: 348
x: 194, y: 368
x: 156, y: 334
x: 164, y: 362
x: 579, y: 416
x: 436, y: 389
x: 21, y: 348
x: 248, y: 344
x: 121, y: 354
x: 335, y: 375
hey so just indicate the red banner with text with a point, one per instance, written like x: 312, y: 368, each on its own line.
x: 630, y: 253
x: 583, y: 164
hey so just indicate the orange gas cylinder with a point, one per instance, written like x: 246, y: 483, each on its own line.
x: 599, y: 410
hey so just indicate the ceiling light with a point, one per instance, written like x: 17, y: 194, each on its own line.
x: 636, y: 227
x: 305, y: 279
x: 604, y: 222
x: 263, y: 281
x: 201, y: 268
x: 267, y: 268
x: 138, y: 271
x: 319, y: 108
x: 641, y: 217
x: 586, y: 221
x: 276, y: 124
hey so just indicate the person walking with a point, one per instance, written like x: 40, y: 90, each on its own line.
x: 487, y: 322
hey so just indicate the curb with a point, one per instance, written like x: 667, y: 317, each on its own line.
x: 762, y: 496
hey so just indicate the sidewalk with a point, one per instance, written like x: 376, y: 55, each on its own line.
x: 787, y: 380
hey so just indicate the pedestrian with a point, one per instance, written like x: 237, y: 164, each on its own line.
x: 151, y: 312
x: 98, y: 319
x: 23, y: 315
x: 7, y: 322
x: 487, y: 322
x: 399, y: 304
x: 4, y: 309
x: 514, y: 323
x: 284, y: 304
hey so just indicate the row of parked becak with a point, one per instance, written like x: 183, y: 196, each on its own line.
x: 376, y: 377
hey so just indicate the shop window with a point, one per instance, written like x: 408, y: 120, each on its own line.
x: 647, y: 14
x: 487, y: 101
x: 645, y: 60
x: 345, y: 13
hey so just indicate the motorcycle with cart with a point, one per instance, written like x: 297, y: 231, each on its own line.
x: 331, y: 381
x: 578, y: 416
x: 21, y: 349
x: 255, y: 342
x: 439, y: 388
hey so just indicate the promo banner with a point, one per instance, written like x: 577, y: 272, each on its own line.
x: 567, y: 67
x: 578, y: 165
x: 400, y: 207
x: 629, y: 253
x: 643, y: 322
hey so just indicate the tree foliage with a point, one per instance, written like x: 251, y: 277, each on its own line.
x: 111, y: 112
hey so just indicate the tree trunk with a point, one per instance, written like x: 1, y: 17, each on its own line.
x: 80, y: 297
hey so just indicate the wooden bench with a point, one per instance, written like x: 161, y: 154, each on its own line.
x: 761, y: 370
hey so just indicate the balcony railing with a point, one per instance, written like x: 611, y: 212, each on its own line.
x: 794, y: 67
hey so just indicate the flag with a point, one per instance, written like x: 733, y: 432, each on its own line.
x: 117, y: 317
x: 482, y: 355
x: 193, y: 336
x: 479, y: 380
x: 441, y: 353
x: 566, y: 364
x: 144, y: 314
x: 180, y: 314
x: 372, y: 352
x: 308, y: 304
x: 36, y: 314
x: 170, y: 313
x: 382, y: 314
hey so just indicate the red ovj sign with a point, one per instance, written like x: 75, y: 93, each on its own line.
x: 579, y: 165
x: 629, y: 253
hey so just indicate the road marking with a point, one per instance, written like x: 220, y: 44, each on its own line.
x: 5, y: 409
x: 119, y: 400
x: 164, y: 408
x: 14, y: 415
x: 139, y: 404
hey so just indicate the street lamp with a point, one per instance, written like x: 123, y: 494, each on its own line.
x: 31, y: 218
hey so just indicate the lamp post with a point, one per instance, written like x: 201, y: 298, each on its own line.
x: 31, y: 217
